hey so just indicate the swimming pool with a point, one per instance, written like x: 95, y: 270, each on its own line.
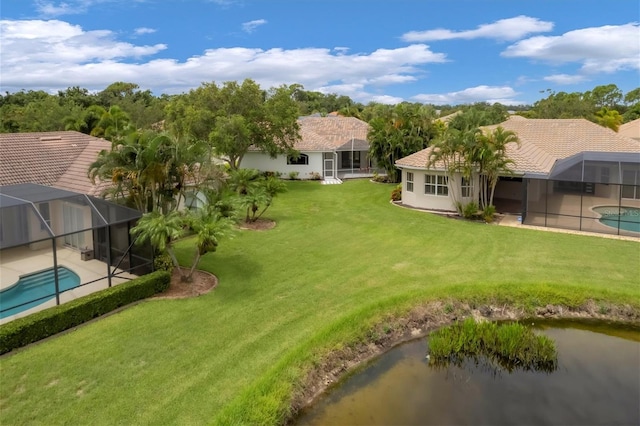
x: 627, y: 218
x: 35, y: 289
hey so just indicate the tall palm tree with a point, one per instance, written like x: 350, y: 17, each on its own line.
x: 493, y: 160
x: 115, y: 123
x: 452, y: 150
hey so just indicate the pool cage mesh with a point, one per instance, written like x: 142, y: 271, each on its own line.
x: 595, y: 192
x: 57, y: 224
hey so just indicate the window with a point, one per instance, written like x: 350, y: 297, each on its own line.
x: 436, y: 185
x: 43, y: 208
x: 300, y: 160
x: 345, y: 159
x: 466, y: 187
x: 604, y: 175
x: 409, y: 181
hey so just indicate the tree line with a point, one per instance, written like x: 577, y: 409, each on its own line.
x: 76, y: 108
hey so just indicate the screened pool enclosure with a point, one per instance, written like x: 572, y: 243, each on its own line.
x: 590, y: 191
x: 49, y: 236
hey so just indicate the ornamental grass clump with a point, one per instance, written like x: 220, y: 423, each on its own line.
x: 512, y: 346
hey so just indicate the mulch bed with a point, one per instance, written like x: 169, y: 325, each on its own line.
x: 203, y: 282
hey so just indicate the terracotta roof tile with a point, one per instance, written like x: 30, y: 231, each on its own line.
x: 58, y: 159
x: 630, y: 129
x: 329, y: 133
x: 544, y: 141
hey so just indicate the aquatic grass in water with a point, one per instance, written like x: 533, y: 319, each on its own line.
x: 512, y: 346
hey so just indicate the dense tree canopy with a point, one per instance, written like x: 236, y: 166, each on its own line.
x: 234, y: 117
x: 399, y: 131
x: 36, y: 110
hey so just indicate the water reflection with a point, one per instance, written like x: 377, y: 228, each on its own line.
x: 597, y: 383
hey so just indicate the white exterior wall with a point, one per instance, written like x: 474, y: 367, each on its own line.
x: 417, y: 198
x: 262, y: 162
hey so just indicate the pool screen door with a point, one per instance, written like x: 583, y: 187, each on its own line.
x: 328, y: 168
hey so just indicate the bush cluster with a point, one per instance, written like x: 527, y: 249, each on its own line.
x: 29, y: 329
x: 396, y: 194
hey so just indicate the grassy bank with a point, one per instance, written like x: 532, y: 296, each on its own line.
x: 340, y: 259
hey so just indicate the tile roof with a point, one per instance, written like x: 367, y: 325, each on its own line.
x: 544, y: 141
x: 330, y: 133
x: 630, y: 129
x: 58, y: 159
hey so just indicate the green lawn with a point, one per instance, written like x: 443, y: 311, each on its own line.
x: 340, y: 257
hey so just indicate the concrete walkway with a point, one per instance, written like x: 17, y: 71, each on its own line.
x: 331, y: 181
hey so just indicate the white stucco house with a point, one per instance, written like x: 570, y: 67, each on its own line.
x: 330, y: 148
x: 567, y: 173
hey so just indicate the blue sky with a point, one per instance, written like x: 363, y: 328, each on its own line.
x: 432, y: 51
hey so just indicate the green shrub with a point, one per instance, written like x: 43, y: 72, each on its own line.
x: 22, y: 331
x: 293, y: 175
x: 396, y: 194
x: 470, y: 211
x: 380, y: 178
x: 488, y: 213
x: 163, y: 262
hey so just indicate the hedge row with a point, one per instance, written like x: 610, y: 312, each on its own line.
x: 22, y: 331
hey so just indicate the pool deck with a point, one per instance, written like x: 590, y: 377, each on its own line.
x: 512, y: 221
x: 22, y: 260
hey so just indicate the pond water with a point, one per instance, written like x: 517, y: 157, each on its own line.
x: 597, y: 382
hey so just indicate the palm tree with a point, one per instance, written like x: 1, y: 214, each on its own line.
x: 240, y: 180
x: 452, y: 150
x: 161, y: 231
x: 209, y: 227
x: 115, y: 122
x: 252, y: 200
x: 609, y: 118
x: 492, y: 159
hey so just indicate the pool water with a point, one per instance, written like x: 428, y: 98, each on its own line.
x: 626, y: 218
x: 35, y: 289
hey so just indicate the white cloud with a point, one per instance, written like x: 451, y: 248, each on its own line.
x: 71, y: 7
x: 491, y: 94
x: 249, y: 27
x: 42, y: 46
x: 605, y: 49
x: 565, y: 79
x: 144, y: 30
x: 504, y: 29
x: 53, y: 55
